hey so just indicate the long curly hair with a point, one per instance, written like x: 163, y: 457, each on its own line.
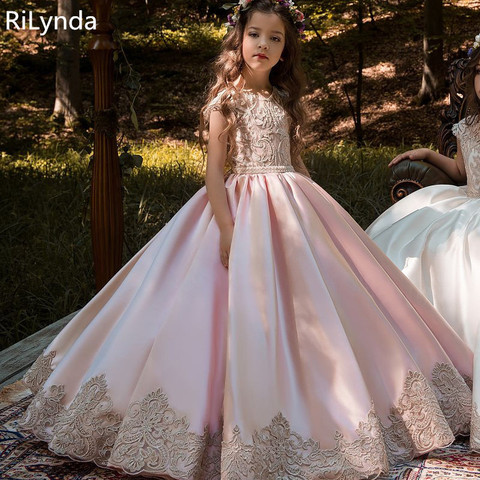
x: 287, y: 76
x: 472, y: 102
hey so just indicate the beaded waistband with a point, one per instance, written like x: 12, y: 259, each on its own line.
x: 242, y: 169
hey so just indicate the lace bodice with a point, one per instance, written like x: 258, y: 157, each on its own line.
x: 262, y: 133
x: 468, y: 137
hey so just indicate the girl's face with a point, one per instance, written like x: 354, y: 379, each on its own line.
x: 263, y: 41
x: 476, y: 81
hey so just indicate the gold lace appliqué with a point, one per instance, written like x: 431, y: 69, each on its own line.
x: 153, y: 438
x: 417, y: 423
x: 277, y: 452
x: 86, y: 430
x: 88, y: 427
x: 475, y: 429
x: 455, y: 400
x: 39, y: 372
x: 44, y: 412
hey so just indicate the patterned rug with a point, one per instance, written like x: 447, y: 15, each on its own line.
x: 455, y: 462
x: 22, y: 457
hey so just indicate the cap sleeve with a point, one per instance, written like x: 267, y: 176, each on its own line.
x: 214, y: 104
x: 459, y: 128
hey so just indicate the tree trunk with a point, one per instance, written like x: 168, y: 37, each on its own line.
x: 433, y: 81
x: 358, y: 124
x: 356, y: 110
x: 67, y: 82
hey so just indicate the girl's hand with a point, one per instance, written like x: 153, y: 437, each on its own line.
x: 417, y: 154
x: 226, y: 235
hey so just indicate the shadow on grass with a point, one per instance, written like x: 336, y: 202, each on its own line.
x: 392, y: 78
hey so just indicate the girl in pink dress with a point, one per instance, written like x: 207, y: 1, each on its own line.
x: 260, y: 334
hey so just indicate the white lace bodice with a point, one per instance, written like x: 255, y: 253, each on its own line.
x: 468, y: 137
x: 262, y: 133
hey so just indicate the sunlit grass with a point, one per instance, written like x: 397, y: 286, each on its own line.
x: 45, y: 163
x: 45, y: 247
x: 192, y: 37
x: 162, y: 153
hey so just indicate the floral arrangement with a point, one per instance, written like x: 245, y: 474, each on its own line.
x: 476, y: 44
x: 297, y: 16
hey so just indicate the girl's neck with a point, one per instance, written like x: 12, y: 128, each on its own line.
x: 257, y: 83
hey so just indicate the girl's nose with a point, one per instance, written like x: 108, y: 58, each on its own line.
x: 263, y: 44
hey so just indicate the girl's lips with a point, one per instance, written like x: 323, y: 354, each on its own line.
x: 259, y: 55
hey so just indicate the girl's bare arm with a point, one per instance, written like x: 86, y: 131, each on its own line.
x: 454, y: 168
x: 300, y: 167
x: 214, y: 181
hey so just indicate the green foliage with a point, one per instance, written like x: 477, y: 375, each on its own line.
x: 48, y: 7
x: 356, y: 177
x: 170, y: 13
x: 201, y: 38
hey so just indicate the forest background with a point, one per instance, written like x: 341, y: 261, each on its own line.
x: 162, y: 74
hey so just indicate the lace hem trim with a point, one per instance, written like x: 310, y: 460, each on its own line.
x: 475, y: 429
x: 153, y: 438
x: 241, y: 169
x: 39, y: 372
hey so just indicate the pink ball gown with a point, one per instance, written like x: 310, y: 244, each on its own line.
x: 311, y: 357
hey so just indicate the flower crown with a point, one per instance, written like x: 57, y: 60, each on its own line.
x: 476, y: 44
x: 297, y: 16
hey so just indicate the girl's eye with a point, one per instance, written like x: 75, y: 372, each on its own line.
x: 275, y: 39
x: 253, y: 34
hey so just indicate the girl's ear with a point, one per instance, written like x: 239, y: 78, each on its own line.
x: 281, y: 59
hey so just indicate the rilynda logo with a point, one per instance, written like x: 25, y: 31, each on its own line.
x: 28, y: 21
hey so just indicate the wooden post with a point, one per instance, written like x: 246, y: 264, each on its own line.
x: 106, y: 197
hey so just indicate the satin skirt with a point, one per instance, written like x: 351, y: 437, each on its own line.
x: 311, y: 357
x: 433, y: 236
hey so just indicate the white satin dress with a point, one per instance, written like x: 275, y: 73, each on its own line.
x: 311, y: 357
x: 433, y: 236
